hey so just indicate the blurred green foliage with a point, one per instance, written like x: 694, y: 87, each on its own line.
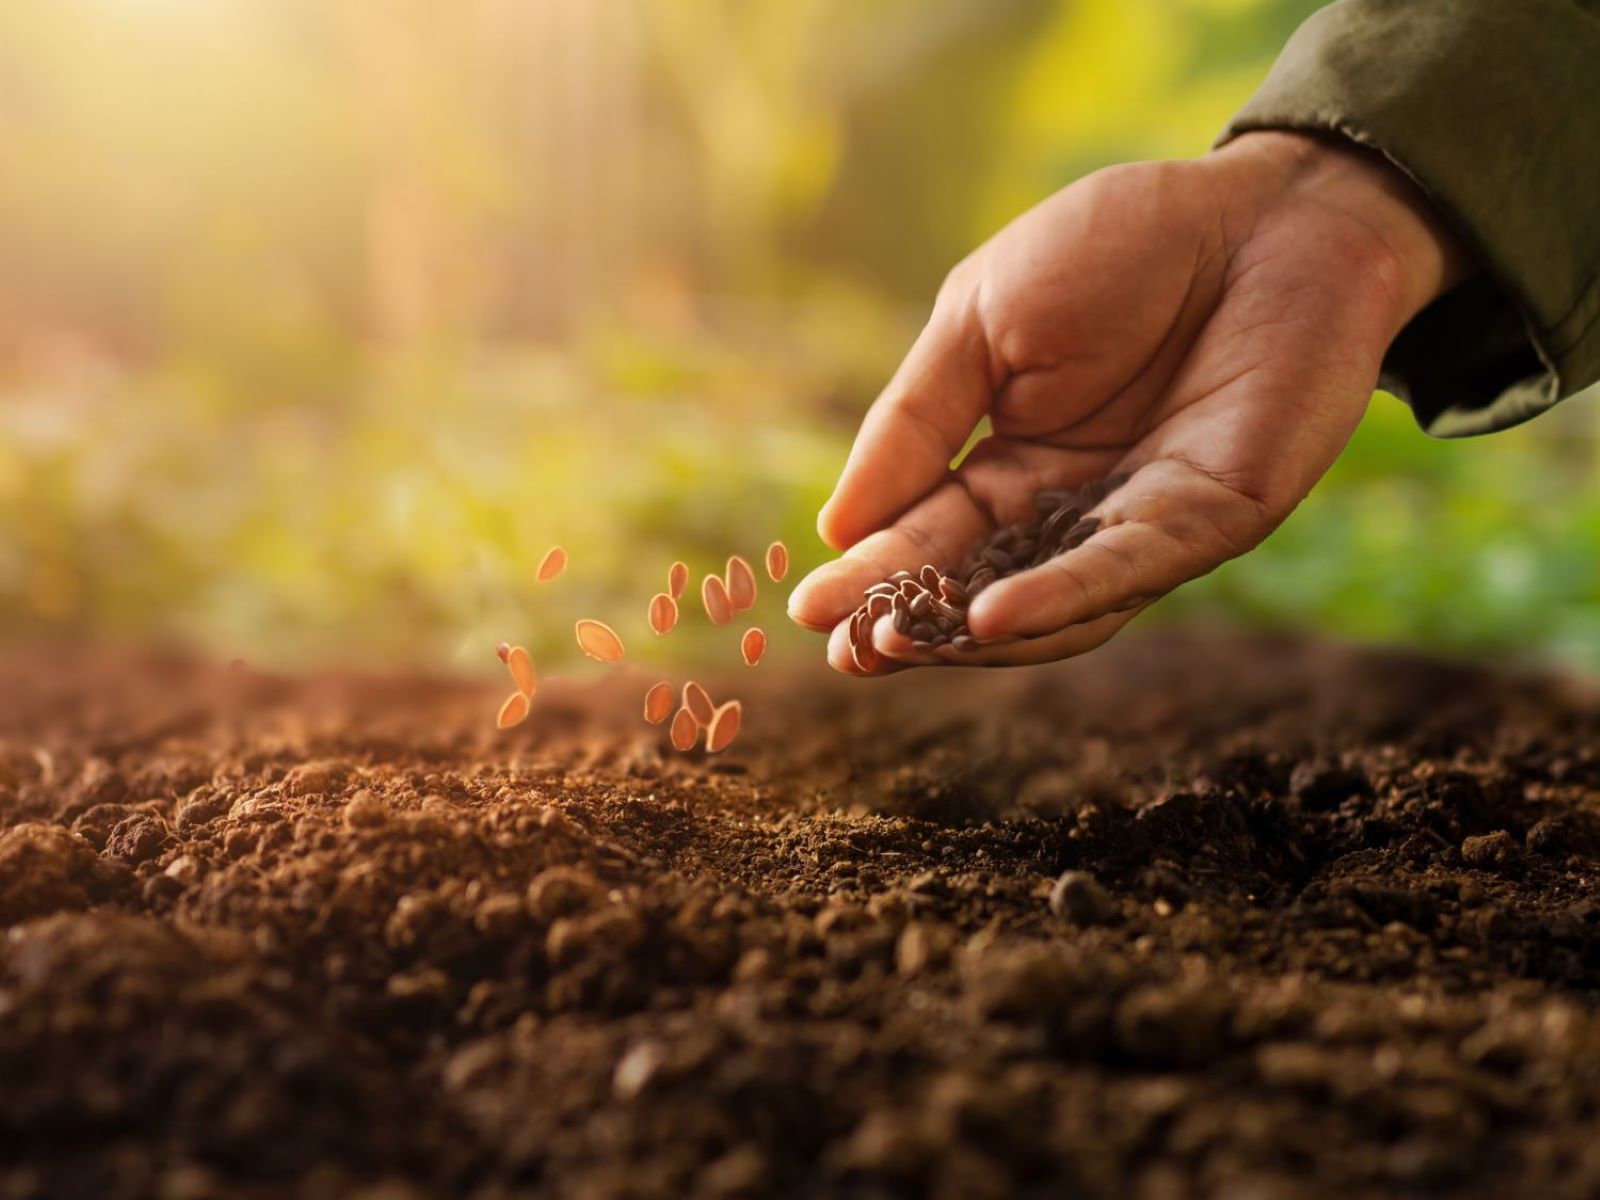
x: 320, y: 319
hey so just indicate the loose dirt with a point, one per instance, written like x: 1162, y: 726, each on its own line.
x: 1193, y: 916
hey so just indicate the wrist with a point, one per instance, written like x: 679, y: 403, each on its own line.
x: 1395, y: 234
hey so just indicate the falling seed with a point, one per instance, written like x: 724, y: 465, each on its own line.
x: 741, y: 584
x: 753, y: 645
x: 513, y: 712
x: 658, y: 703
x: 552, y: 564
x: 677, y: 580
x: 714, y: 595
x: 504, y: 651
x: 599, y: 641
x: 685, y: 730
x: 521, y: 664
x: 698, y: 701
x: 663, y: 613
x: 777, y: 561
x: 724, y: 726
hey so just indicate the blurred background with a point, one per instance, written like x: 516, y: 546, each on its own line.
x: 321, y: 319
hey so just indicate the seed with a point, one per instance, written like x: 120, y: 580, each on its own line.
x: 952, y: 591
x: 981, y: 578
x: 685, y: 730
x: 504, y: 651
x: 658, y: 703
x: 552, y: 564
x: 677, y: 580
x: 899, y: 577
x: 879, y: 606
x: 929, y: 576
x: 862, y: 651
x: 882, y: 589
x: 777, y: 561
x: 724, y: 727
x: 599, y: 641
x: 513, y: 712
x: 698, y: 701
x: 521, y: 664
x: 741, y: 584
x: 920, y: 604
x: 714, y: 595
x: 922, y: 631
x: 753, y: 645
x: 963, y: 642
x: 1058, y: 522
x: 663, y: 613
x: 922, y: 645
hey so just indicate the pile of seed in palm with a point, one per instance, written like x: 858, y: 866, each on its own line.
x: 929, y: 606
x: 723, y: 596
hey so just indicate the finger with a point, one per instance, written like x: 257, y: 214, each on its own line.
x: 938, y: 530
x: 1170, y: 523
x: 1009, y: 652
x: 914, y: 429
x: 841, y: 658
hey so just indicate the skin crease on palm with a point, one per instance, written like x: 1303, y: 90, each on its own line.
x: 1213, y: 328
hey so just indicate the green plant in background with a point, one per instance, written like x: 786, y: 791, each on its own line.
x: 318, y: 323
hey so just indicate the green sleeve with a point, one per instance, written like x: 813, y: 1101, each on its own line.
x: 1493, y: 108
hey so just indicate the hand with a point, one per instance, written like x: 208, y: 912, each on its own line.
x: 1212, y: 328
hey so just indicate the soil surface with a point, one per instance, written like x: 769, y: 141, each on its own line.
x: 1328, y: 925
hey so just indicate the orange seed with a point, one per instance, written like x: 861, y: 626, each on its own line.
x: 724, y: 726
x: 677, y: 580
x: 685, y: 730
x: 663, y: 613
x: 777, y: 561
x: 714, y: 595
x: 599, y: 641
x: 513, y: 712
x: 521, y: 664
x: 552, y: 564
x: 753, y: 645
x: 658, y: 703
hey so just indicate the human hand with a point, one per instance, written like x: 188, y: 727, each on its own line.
x: 1211, y: 328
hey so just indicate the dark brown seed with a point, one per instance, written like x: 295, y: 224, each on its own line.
x: 879, y: 606
x: 929, y: 576
x: 1023, y: 550
x: 1080, y: 533
x: 922, y: 645
x: 920, y: 604
x: 1058, y: 522
x: 882, y: 589
x: 922, y: 631
x: 899, y: 577
x: 944, y: 612
x: 964, y: 642
x: 941, y: 639
x: 910, y: 589
x: 981, y: 578
x: 952, y: 591
x: 998, y: 559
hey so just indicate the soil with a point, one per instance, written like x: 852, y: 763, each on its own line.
x: 1329, y: 926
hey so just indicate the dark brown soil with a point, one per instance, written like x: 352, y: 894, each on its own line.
x: 1336, y: 932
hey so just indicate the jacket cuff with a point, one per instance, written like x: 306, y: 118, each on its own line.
x: 1493, y: 110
